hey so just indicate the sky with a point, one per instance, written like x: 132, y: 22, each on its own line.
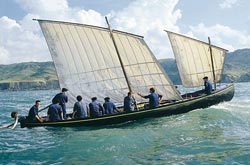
x: 226, y: 22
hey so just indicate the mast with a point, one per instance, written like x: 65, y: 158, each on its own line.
x: 212, y: 61
x: 120, y: 60
x: 119, y: 56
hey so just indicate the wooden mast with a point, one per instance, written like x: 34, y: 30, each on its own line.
x: 119, y: 56
x: 212, y: 61
x: 120, y: 60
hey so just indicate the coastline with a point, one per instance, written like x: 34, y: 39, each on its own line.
x: 29, y: 85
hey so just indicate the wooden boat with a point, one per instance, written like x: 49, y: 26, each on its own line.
x: 178, y: 107
x: 98, y: 62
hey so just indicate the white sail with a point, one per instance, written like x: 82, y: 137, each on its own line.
x: 87, y: 63
x: 194, y: 60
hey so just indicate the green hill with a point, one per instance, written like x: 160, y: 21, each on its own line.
x: 28, y: 76
x: 170, y: 67
x: 29, y: 71
x: 237, y: 68
x: 42, y: 75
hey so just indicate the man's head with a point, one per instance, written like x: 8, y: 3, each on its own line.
x: 106, y: 98
x: 56, y: 101
x: 64, y: 90
x: 130, y: 94
x: 79, y: 98
x: 151, y: 90
x: 14, y: 114
x: 205, y: 78
x: 94, y: 98
x: 37, y: 103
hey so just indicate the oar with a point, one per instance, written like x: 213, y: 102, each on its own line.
x: 14, y: 125
x: 44, y: 108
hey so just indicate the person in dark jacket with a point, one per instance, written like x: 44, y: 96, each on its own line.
x: 207, y: 85
x: 153, y: 97
x: 109, y: 106
x: 129, y: 103
x: 55, y: 112
x: 17, y: 119
x: 95, y: 108
x: 63, y: 99
x: 80, y: 109
x: 33, y: 113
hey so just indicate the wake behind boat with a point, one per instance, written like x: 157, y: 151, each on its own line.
x: 101, y: 62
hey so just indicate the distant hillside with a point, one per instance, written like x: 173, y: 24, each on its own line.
x: 170, y: 67
x: 237, y: 68
x: 28, y: 76
x: 42, y: 75
x: 29, y: 71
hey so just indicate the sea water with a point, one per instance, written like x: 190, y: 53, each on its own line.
x: 216, y: 135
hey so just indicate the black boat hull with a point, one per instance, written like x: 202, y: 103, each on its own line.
x: 186, y: 105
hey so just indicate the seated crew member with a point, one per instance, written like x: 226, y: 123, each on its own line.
x: 55, y: 112
x: 80, y: 109
x: 33, y: 113
x: 95, y: 108
x: 109, y: 106
x: 129, y: 103
x: 153, y: 97
x: 207, y: 85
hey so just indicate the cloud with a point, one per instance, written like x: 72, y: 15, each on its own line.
x: 17, y: 43
x: 4, y: 55
x: 6, y: 24
x: 90, y: 17
x: 149, y: 18
x: 226, y: 4
x: 60, y: 10
x: 22, y: 41
x: 45, y: 8
x: 232, y: 39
